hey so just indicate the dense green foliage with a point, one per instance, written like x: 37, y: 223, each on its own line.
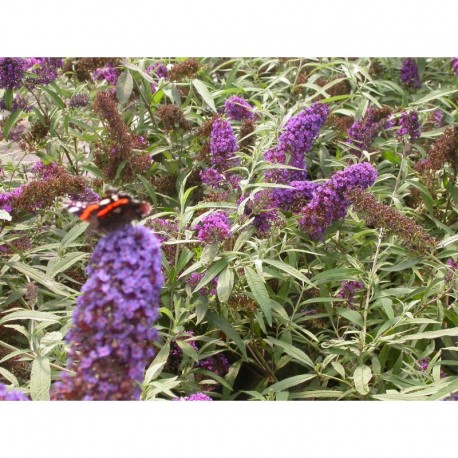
x: 274, y: 304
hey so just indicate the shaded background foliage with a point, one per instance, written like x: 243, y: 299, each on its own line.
x: 271, y: 291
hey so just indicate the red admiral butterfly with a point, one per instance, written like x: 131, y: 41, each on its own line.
x: 113, y: 210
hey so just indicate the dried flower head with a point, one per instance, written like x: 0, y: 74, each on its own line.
x: 185, y: 69
x: 383, y: 216
x: 172, y: 117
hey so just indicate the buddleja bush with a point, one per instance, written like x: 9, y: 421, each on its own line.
x: 306, y: 209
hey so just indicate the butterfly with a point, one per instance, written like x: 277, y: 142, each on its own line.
x: 113, y: 210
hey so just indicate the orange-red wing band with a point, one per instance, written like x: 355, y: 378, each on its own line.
x: 110, y: 207
x: 88, y: 211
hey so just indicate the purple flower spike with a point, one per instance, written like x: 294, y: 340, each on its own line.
x: 295, y: 141
x: 238, y: 109
x: 223, y: 145
x: 409, y: 74
x: 112, y: 337
x: 13, y: 395
x: 330, y: 202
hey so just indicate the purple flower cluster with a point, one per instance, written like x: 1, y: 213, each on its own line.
x: 455, y: 65
x: 79, y: 101
x: 13, y: 395
x: 211, y: 177
x: 45, y: 69
x: 108, y: 73
x: 18, y: 104
x: 12, y: 71
x: 330, y: 203
x: 238, y: 109
x: 409, y: 125
x: 214, y: 227
x: 6, y: 198
x: 409, y: 73
x: 194, y: 397
x: 222, y: 145
x: 159, y: 69
x: 112, y: 337
x: 348, y: 290
x: 452, y: 397
x: 295, y: 141
x: 364, y: 131
x: 218, y: 364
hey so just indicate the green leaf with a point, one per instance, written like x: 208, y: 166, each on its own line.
x: 40, y: 379
x: 54, y: 97
x: 404, y: 265
x: 225, y: 285
x: 9, y: 376
x: 226, y: 327
x: 435, y: 95
x: 73, y: 234
x: 124, y: 87
x: 201, y: 308
x: 297, y: 354
x: 256, y: 284
x: 288, y: 383
x: 338, y: 368
x: 280, y: 265
x: 41, y: 278
x: 335, y: 275
x: 202, y: 89
x: 361, y: 379
x: 30, y: 315
x: 11, y: 121
x: 155, y: 368
x: 57, y: 265
x: 209, y: 253
x: 4, y: 215
x: 351, y: 315
x: 214, y: 270
x: 429, y: 335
